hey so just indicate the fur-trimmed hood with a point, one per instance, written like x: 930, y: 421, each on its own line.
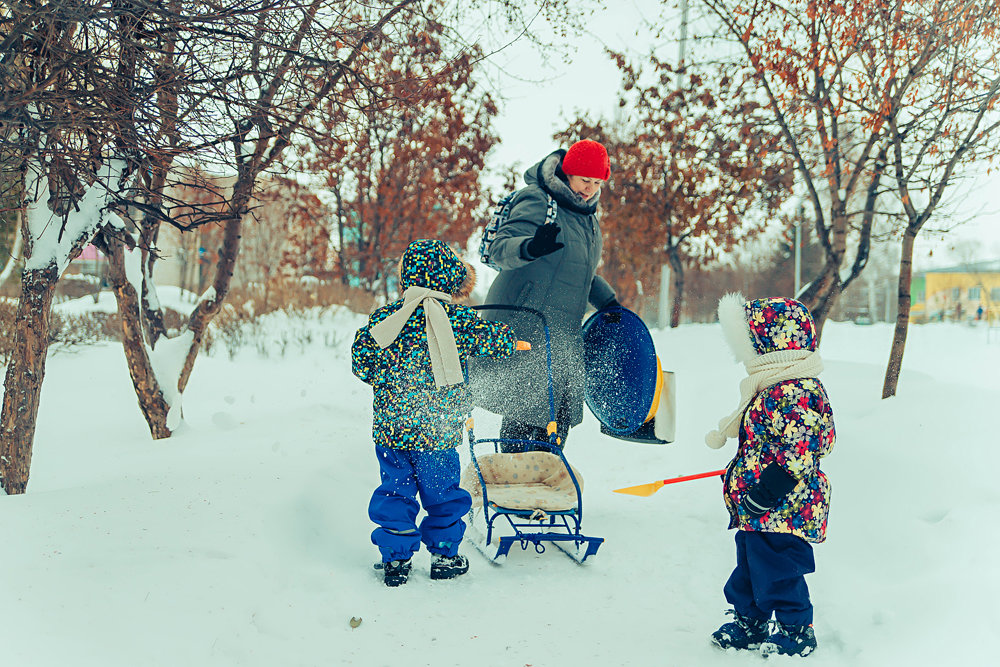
x: 431, y: 263
x: 757, y: 327
x: 548, y: 175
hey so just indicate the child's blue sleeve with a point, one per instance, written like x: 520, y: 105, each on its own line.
x: 366, y: 357
x: 482, y: 338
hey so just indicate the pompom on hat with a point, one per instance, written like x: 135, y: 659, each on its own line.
x: 587, y: 158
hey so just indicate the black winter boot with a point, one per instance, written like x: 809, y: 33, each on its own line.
x: 743, y: 632
x: 789, y: 640
x: 395, y: 572
x: 445, y: 567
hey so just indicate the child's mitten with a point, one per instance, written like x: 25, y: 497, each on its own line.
x: 774, y: 484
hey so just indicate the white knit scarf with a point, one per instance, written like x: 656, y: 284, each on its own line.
x: 762, y: 372
x: 446, y: 363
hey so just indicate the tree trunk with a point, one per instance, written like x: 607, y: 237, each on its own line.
x: 153, y: 405
x: 15, y: 252
x: 23, y: 383
x: 208, y: 308
x: 895, y: 364
x: 677, y: 267
x: 822, y: 294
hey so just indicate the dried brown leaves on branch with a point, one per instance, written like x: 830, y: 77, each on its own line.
x: 838, y: 77
x: 183, y: 94
x: 408, y: 156
x: 154, y: 86
x: 948, y: 90
x: 693, y: 174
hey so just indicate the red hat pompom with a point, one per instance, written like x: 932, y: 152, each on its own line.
x: 587, y: 158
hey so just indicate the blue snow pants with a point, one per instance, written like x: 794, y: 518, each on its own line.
x: 770, y: 577
x: 434, y: 476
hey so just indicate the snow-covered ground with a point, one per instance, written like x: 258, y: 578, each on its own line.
x: 243, y: 539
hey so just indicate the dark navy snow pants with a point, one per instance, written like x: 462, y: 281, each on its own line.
x: 770, y: 577
x: 434, y: 476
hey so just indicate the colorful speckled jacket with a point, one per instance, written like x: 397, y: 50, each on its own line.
x: 410, y: 411
x: 789, y: 423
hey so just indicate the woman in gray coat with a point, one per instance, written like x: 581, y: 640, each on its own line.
x: 551, y: 268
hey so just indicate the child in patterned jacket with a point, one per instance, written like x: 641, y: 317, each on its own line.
x: 412, y: 352
x: 777, y: 497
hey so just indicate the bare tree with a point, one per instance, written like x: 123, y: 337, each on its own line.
x: 290, y: 237
x: 270, y: 76
x: 876, y: 101
x: 100, y: 101
x: 950, y: 73
x: 103, y: 105
x: 829, y: 95
x: 411, y: 164
x: 59, y: 104
x: 693, y: 176
x: 283, y: 72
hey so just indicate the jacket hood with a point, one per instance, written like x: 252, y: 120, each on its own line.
x: 431, y: 263
x: 760, y: 326
x: 548, y: 175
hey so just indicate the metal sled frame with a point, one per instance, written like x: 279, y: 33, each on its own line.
x: 561, y: 528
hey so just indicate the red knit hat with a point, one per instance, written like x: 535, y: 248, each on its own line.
x: 587, y: 158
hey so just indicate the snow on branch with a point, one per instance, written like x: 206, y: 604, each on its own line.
x: 52, y: 238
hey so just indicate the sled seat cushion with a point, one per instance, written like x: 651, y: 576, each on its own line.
x: 527, y: 481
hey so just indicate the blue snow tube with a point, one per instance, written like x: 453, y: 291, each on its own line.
x: 623, y: 374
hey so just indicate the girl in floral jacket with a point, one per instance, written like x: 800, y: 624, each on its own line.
x: 777, y: 497
x: 412, y: 352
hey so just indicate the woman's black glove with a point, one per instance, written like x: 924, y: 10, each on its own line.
x: 613, y: 317
x: 772, y: 487
x: 543, y: 242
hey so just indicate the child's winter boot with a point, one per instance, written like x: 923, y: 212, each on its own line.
x: 743, y: 632
x: 448, y: 567
x: 395, y: 572
x: 790, y: 640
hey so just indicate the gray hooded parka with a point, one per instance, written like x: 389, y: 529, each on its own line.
x: 560, y: 285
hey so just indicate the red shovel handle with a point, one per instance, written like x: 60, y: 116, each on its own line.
x: 701, y: 475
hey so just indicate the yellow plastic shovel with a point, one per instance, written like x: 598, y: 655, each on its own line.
x: 653, y: 487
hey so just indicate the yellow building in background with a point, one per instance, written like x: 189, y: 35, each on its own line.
x: 961, y: 293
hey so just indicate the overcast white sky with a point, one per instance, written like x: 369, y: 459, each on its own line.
x: 541, y: 94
